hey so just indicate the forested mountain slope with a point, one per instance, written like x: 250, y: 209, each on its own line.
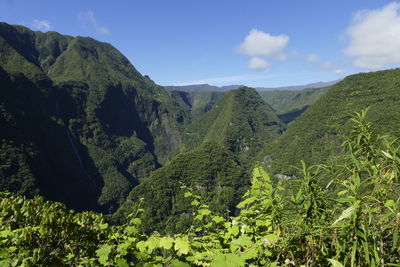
x: 211, y: 170
x: 239, y: 120
x: 197, y: 103
x: 317, y: 134
x: 289, y: 104
x: 232, y: 134
x: 78, y: 119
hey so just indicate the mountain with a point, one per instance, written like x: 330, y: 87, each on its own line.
x: 299, y: 87
x: 288, y: 105
x: 213, y: 88
x: 317, y: 134
x: 79, y: 123
x: 196, y: 103
x: 231, y: 136
x: 201, y: 88
x: 239, y: 120
x: 211, y: 170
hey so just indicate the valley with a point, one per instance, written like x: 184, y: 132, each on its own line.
x: 195, y: 175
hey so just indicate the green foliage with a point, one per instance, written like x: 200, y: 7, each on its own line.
x: 358, y: 226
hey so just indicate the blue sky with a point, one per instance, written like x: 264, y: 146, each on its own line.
x: 257, y: 43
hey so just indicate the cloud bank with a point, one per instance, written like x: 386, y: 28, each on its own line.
x: 375, y: 37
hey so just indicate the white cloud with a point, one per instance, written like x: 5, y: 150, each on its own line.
x: 89, y: 17
x: 375, y: 37
x: 259, y: 43
x: 323, y: 65
x: 256, y: 63
x: 41, y: 25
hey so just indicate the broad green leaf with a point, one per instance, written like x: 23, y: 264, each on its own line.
x: 234, y: 230
x: 152, y: 243
x: 204, y: 212
x: 250, y: 253
x: 246, y: 202
x: 131, y: 230
x: 182, y: 245
x: 103, y: 253
x: 122, y: 248
x: 141, y: 246
x: 188, y: 194
x: 241, y: 242
x: 6, y: 263
x: 103, y: 226
x: 195, y: 203
x: 136, y: 221
x: 218, y: 219
x: 227, y: 260
x: 166, y: 242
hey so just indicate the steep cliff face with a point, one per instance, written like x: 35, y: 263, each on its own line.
x: 85, y: 114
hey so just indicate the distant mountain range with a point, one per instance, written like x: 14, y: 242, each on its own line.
x: 299, y: 87
x: 208, y: 88
x: 201, y: 88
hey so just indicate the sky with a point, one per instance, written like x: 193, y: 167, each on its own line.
x: 259, y: 43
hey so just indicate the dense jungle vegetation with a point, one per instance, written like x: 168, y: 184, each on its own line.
x: 354, y: 221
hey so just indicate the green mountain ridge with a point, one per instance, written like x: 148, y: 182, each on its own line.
x: 317, y: 134
x: 239, y: 120
x: 289, y: 104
